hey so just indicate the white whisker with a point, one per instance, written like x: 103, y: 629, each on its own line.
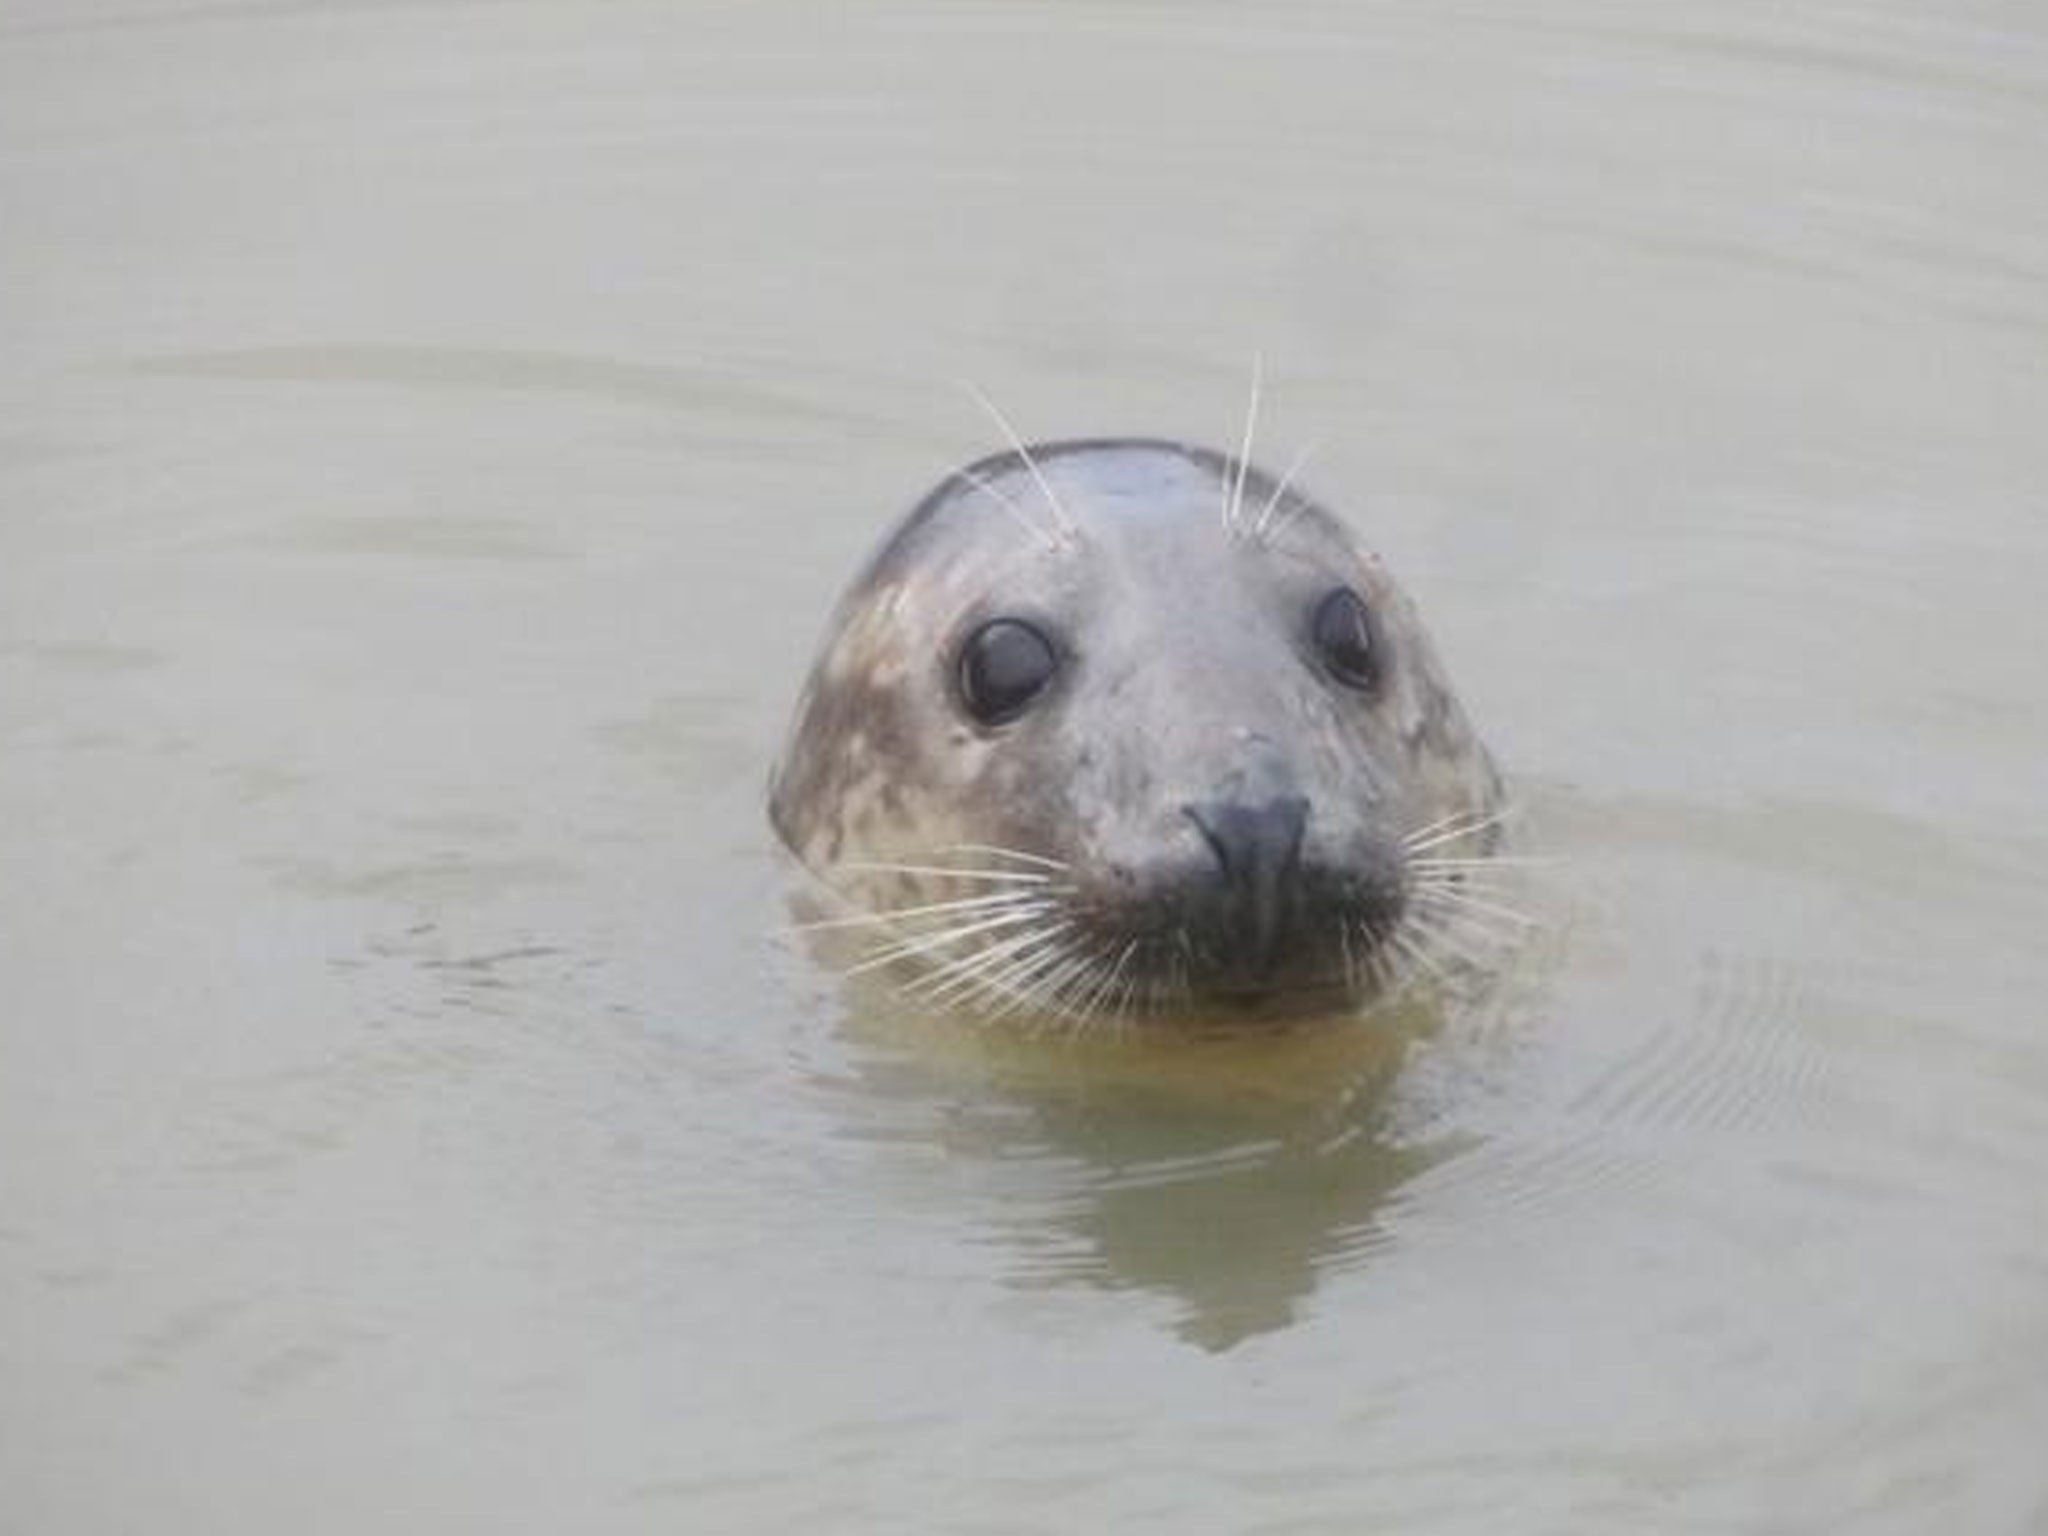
x: 1411, y: 838
x: 1410, y: 946
x: 1487, y: 861
x: 1017, y: 876
x: 1005, y: 853
x: 1020, y: 979
x: 1126, y: 998
x: 1434, y: 928
x: 1471, y: 883
x: 1389, y: 977
x: 1260, y: 526
x: 892, y: 915
x: 990, y: 965
x: 924, y: 944
x: 1113, y: 980
x: 1011, y: 505
x: 1469, y: 889
x: 1456, y: 896
x: 1101, y: 977
x: 1235, y: 506
x: 1050, y: 993
x: 1466, y: 824
x: 1068, y: 993
x: 1470, y: 919
x: 1062, y: 521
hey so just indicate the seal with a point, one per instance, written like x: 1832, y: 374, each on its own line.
x: 1123, y: 729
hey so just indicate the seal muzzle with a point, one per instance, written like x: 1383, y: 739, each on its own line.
x: 1257, y: 877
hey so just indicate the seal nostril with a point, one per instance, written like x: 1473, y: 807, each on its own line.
x: 1258, y: 854
x: 1248, y: 837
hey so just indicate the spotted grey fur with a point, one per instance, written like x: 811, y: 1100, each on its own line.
x: 1177, y: 584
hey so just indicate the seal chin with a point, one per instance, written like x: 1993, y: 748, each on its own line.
x: 1273, y: 1006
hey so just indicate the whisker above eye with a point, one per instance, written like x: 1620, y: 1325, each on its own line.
x: 1009, y: 504
x: 1064, y: 524
x: 1233, y: 506
x: 1264, y: 526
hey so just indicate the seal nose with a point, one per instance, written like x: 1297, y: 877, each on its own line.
x: 1258, y: 853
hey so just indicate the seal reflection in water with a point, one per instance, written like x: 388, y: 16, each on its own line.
x: 1115, y: 730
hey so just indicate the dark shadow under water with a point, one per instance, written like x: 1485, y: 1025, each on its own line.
x: 1227, y: 1171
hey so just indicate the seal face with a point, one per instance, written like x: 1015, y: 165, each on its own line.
x: 1115, y: 728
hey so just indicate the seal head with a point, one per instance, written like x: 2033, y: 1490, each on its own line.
x: 1126, y: 727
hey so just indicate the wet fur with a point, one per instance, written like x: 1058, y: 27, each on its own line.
x: 1010, y: 870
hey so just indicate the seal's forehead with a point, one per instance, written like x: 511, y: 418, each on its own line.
x: 1106, y: 490
x: 1135, y: 500
x: 1135, y: 475
x: 1083, y: 488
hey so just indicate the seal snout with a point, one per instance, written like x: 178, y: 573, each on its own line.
x: 1258, y: 865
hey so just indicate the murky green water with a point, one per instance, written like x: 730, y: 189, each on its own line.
x: 430, y: 435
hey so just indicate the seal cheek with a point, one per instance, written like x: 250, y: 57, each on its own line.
x: 1012, y: 801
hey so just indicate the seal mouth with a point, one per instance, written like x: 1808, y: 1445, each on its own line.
x: 1296, y: 973
x: 1263, y: 936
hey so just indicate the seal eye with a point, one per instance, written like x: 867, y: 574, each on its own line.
x: 1346, y: 638
x: 1004, y: 666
